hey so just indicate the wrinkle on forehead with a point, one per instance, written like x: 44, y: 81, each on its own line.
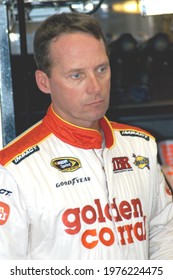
x: 73, y: 49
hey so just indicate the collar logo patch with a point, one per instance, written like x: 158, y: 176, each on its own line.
x: 141, y: 162
x: 26, y: 154
x: 66, y: 164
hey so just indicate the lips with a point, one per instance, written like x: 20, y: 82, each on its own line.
x: 95, y: 102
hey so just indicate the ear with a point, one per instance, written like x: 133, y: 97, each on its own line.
x: 42, y: 81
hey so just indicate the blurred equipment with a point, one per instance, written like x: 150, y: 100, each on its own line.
x: 154, y: 61
x: 165, y: 149
x: 38, y: 10
x: 128, y: 84
x: 123, y: 59
x: 126, y: 6
x: 86, y: 6
x: 156, y: 7
x: 7, y: 122
x: 139, y: 69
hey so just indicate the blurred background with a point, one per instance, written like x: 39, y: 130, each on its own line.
x: 141, y: 58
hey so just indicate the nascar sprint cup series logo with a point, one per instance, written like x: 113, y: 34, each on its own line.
x: 66, y: 164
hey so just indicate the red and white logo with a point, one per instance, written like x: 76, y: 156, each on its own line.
x: 4, y: 212
x: 93, y: 222
x: 121, y: 164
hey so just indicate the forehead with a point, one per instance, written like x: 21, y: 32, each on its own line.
x: 76, y: 45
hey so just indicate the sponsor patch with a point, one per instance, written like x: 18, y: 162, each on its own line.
x: 66, y: 164
x: 25, y: 154
x: 73, y: 181
x: 134, y: 133
x: 141, y: 162
x: 91, y: 223
x: 121, y: 164
x: 4, y: 212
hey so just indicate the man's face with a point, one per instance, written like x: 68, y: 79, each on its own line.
x: 79, y: 82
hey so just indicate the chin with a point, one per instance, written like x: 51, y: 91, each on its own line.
x: 98, y: 117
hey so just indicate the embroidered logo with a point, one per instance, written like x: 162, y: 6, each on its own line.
x: 141, y: 162
x: 25, y: 154
x: 73, y: 182
x: 92, y: 222
x: 121, y: 164
x: 4, y: 212
x: 134, y: 133
x: 65, y: 164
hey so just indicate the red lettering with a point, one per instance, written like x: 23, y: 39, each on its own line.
x: 121, y: 230
x: 107, y: 236
x: 104, y: 232
x: 129, y: 230
x: 88, y: 220
x: 137, y: 208
x: 117, y: 217
x: 120, y: 163
x: 101, y: 218
x: 140, y: 231
x: 125, y: 210
x: 94, y: 214
x: 74, y: 224
x: 87, y: 244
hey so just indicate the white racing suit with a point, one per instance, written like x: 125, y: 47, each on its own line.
x: 72, y: 198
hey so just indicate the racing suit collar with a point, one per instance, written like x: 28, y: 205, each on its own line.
x: 78, y: 136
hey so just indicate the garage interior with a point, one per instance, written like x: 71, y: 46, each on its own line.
x: 141, y: 58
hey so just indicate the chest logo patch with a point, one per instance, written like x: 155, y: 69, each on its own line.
x: 121, y: 164
x: 66, y: 164
x: 141, y: 161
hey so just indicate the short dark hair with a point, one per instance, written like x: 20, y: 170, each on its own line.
x: 58, y: 24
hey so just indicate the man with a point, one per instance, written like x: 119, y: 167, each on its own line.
x: 86, y: 188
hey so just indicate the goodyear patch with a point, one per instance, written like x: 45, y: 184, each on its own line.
x: 66, y: 164
x: 134, y: 134
x: 25, y: 154
x: 141, y: 162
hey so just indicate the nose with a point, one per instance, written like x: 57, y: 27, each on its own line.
x: 93, y: 84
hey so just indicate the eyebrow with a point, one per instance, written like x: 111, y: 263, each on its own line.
x: 82, y: 69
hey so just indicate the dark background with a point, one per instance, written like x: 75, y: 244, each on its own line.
x: 141, y: 58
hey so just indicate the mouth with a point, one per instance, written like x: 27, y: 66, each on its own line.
x: 96, y: 102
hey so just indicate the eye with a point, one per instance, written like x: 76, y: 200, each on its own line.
x: 101, y: 69
x: 76, y: 75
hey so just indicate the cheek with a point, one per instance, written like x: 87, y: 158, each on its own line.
x: 108, y: 79
x: 66, y: 98
x: 105, y: 85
